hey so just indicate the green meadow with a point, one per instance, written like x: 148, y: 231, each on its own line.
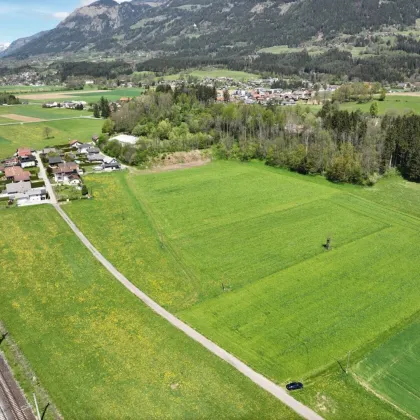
x: 214, y: 73
x: 236, y: 250
x: 36, y: 111
x: 392, y: 104
x: 393, y: 370
x: 98, y: 351
x: 33, y: 135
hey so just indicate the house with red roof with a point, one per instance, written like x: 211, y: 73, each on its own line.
x: 17, y: 174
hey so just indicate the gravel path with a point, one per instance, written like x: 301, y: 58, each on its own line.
x: 257, y: 378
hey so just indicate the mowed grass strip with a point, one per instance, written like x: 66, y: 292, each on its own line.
x: 393, y: 369
x: 98, y: 351
x: 33, y: 135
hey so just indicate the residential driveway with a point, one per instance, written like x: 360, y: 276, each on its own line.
x: 44, y: 176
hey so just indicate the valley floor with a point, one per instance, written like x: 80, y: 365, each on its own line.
x: 237, y: 251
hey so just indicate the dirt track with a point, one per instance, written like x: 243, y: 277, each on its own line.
x: 404, y: 94
x: 57, y: 95
x: 22, y: 118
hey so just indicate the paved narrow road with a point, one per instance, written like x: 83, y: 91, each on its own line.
x: 257, y: 378
x: 44, y: 176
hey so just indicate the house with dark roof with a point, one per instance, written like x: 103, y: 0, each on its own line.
x: 27, y: 161
x: 53, y: 161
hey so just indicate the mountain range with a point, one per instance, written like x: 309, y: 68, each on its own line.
x: 218, y: 27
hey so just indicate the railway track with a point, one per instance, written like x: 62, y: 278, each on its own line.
x: 13, y: 405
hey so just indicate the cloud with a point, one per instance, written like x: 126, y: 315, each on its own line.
x: 60, y: 15
x: 87, y: 2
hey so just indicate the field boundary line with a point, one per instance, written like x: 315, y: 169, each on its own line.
x: 164, y: 240
x: 254, y: 376
x: 368, y: 388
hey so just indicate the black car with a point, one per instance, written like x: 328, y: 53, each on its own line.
x: 294, y: 385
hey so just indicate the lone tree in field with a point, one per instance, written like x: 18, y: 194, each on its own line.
x: 47, y: 132
x: 374, y: 109
x: 96, y: 111
x: 328, y: 244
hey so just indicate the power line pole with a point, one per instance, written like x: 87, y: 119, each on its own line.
x: 348, y: 361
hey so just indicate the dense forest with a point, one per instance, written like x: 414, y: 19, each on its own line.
x: 344, y: 146
x: 339, y: 64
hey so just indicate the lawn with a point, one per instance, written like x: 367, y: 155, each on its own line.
x: 32, y: 135
x: 236, y: 251
x: 98, y: 351
x: 393, y: 369
x: 397, y: 104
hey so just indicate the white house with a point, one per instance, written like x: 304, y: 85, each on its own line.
x: 34, y: 195
x: 110, y: 164
x: 84, y: 148
x: 27, y: 161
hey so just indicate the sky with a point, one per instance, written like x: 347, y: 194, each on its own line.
x: 20, y: 18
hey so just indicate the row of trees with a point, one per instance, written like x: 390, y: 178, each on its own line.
x: 344, y: 146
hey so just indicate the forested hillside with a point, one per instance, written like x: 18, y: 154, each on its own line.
x: 182, y: 25
x: 365, y: 39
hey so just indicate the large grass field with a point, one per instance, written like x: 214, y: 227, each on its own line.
x: 214, y: 73
x: 236, y: 250
x: 36, y: 111
x: 393, y: 370
x: 98, y: 351
x: 32, y: 135
x: 88, y: 96
x: 398, y: 104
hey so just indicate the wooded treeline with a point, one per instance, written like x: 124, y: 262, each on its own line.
x: 344, y: 146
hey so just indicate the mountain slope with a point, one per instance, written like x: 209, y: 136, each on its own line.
x: 93, y: 25
x: 217, y: 27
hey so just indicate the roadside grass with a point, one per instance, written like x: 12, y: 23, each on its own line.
x: 398, y: 104
x: 98, y: 351
x: 393, y: 369
x: 32, y: 135
x: 336, y: 395
x: 236, y: 251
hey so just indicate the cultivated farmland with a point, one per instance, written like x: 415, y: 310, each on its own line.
x: 98, y: 351
x: 393, y: 370
x: 237, y: 251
